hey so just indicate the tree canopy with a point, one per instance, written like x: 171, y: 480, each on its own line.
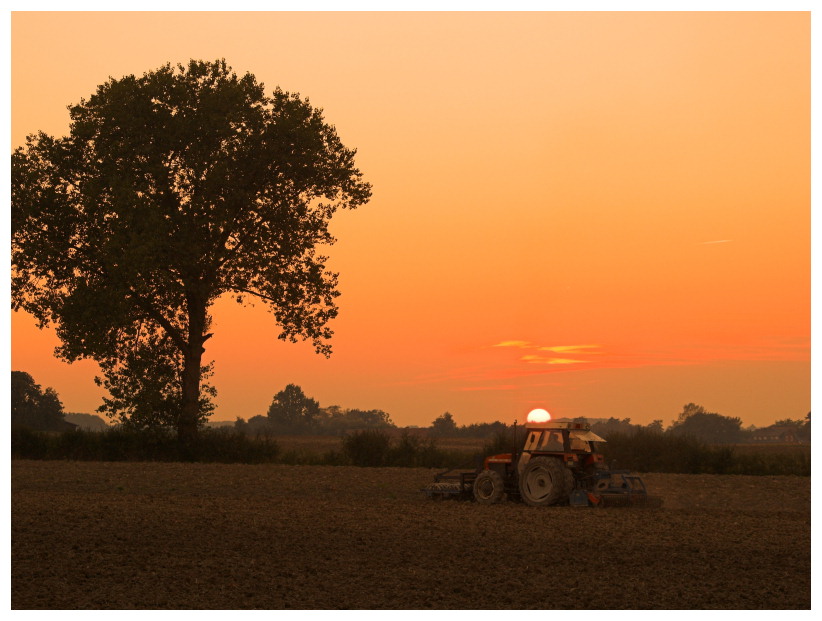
x: 444, y: 425
x: 33, y: 407
x: 290, y: 408
x: 709, y: 427
x: 171, y: 190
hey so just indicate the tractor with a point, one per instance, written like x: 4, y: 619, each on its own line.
x: 558, y: 464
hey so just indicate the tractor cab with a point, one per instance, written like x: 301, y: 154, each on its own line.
x: 574, y: 443
x: 560, y: 438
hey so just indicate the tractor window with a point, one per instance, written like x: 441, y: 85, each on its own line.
x: 552, y: 442
x: 533, y: 440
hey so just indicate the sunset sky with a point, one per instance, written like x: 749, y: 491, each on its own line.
x: 599, y: 214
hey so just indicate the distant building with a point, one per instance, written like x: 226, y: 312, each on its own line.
x: 775, y: 433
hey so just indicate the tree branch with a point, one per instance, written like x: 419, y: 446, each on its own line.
x: 254, y: 293
x: 154, y: 314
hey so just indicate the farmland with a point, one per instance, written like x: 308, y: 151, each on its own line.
x: 90, y: 535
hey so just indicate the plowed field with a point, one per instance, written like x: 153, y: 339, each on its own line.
x: 211, y: 536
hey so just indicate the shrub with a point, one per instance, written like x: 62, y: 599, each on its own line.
x: 28, y: 444
x: 505, y: 441
x: 367, y: 448
x: 650, y: 451
x: 227, y: 445
x: 123, y: 444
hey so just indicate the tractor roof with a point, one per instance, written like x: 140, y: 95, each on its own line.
x: 577, y: 430
x: 558, y: 425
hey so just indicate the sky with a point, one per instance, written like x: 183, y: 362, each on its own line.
x: 599, y: 214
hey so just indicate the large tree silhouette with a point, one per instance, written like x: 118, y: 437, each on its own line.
x: 171, y: 190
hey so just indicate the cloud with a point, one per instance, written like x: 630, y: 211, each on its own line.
x: 557, y: 349
x: 571, y: 349
x: 562, y: 350
x: 518, y: 344
x: 532, y: 359
x: 718, y: 241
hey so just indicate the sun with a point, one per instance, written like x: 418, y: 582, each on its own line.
x: 538, y: 416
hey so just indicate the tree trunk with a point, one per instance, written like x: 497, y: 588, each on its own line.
x: 188, y: 422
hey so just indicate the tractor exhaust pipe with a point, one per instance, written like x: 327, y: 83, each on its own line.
x: 514, y: 454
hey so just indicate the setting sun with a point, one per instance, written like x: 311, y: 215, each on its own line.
x: 538, y: 416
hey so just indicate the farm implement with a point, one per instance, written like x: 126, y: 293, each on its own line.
x: 558, y: 465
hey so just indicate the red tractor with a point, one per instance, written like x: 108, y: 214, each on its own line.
x: 558, y: 464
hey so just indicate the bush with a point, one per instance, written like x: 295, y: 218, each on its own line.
x: 28, y: 444
x: 652, y: 451
x: 643, y: 451
x: 367, y: 448
x: 407, y: 451
x: 372, y: 447
x: 772, y: 464
x: 413, y: 452
x: 649, y: 451
x: 505, y: 441
x: 123, y: 444
x: 226, y: 445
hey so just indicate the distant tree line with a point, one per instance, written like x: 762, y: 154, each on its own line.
x: 292, y: 412
x: 696, y: 442
x: 710, y: 427
x: 444, y: 426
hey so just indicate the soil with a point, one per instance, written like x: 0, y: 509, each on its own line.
x: 93, y: 535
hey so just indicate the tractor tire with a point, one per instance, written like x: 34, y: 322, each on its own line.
x: 489, y: 488
x: 543, y: 482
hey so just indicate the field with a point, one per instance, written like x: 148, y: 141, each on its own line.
x: 92, y: 535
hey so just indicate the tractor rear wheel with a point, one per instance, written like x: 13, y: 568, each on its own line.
x: 543, y: 482
x: 489, y: 488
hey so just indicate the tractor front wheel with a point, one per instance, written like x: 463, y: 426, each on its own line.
x: 489, y: 488
x: 543, y: 482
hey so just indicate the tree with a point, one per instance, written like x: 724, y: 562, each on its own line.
x: 655, y: 426
x: 33, y: 407
x: 370, y: 418
x: 710, y: 427
x: 336, y: 420
x: 614, y: 425
x: 291, y: 409
x: 444, y: 425
x: 171, y: 190
x: 802, y: 426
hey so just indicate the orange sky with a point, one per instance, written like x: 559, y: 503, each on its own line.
x: 602, y: 214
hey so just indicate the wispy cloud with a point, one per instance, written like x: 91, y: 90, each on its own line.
x: 571, y: 349
x: 557, y: 349
x: 533, y: 359
x: 518, y: 344
x: 716, y: 241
